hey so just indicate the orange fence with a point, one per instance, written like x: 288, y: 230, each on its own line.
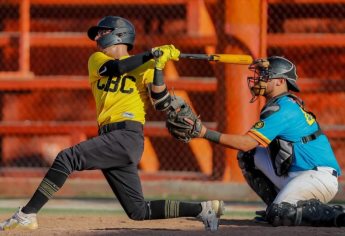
x: 47, y: 105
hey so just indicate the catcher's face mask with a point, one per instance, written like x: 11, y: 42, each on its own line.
x: 257, y: 84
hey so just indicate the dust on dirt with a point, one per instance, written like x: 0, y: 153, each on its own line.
x: 69, y: 224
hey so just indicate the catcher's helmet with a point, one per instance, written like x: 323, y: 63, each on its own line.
x: 123, y: 32
x: 273, y: 68
x: 280, y: 67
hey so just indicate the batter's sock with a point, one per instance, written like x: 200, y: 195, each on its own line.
x: 163, y: 209
x: 51, y: 183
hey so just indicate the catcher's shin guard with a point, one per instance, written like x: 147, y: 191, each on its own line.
x: 306, y: 213
x: 263, y: 187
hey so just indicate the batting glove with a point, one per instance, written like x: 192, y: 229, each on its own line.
x: 164, y: 53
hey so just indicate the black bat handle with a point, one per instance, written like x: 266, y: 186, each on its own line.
x: 157, y: 53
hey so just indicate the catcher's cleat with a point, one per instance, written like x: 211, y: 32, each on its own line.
x: 340, y: 220
x: 20, y: 220
x: 210, y: 214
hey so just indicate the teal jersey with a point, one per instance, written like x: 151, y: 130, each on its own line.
x: 290, y: 122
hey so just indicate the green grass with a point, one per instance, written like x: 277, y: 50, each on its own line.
x: 241, y: 214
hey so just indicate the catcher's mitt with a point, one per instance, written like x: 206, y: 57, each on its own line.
x: 182, y: 123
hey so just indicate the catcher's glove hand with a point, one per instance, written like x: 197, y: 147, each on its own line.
x: 182, y: 123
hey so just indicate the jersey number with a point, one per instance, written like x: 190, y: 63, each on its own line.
x: 308, y: 117
x: 113, y: 84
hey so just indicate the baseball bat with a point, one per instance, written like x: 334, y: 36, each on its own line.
x: 224, y: 58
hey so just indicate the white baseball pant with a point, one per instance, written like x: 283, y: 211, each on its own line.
x: 301, y: 185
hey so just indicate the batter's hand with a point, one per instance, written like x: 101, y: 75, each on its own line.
x: 164, y: 53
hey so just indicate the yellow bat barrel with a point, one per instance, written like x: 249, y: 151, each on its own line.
x: 233, y: 58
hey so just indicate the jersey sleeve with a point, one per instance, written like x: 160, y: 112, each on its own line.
x: 268, y: 128
x: 149, y: 72
x: 95, y: 62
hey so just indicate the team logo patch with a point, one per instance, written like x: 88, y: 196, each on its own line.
x: 259, y: 124
x: 128, y: 115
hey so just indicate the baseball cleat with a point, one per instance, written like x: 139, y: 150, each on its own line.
x: 210, y: 214
x: 20, y: 220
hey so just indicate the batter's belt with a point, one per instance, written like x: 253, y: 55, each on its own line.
x: 127, y: 125
x: 328, y: 169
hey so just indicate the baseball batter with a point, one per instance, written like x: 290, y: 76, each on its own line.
x: 285, y: 157
x: 122, y: 86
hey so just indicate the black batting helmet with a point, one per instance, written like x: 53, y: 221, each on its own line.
x: 280, y: 67
x: 123, y: 32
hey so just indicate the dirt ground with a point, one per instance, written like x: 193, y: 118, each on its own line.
x: 121, y: 225
x: 79, y: 217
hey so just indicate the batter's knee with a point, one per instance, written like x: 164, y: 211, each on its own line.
x: 138, y: 211
x: 67, y: 162
x: 137, y: 214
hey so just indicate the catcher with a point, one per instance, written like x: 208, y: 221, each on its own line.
x: 285, y: 157
x: 121, y: 85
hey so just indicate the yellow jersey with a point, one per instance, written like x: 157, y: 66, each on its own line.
x: 120, y: 98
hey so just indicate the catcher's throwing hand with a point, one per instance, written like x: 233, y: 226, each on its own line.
x: 182, y: 123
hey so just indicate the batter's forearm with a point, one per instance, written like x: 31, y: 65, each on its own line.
x: 159, y: 93
x: 131, y: 63
x: 117, y: 67
x: 158, y: 84
x: 158, y: 78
